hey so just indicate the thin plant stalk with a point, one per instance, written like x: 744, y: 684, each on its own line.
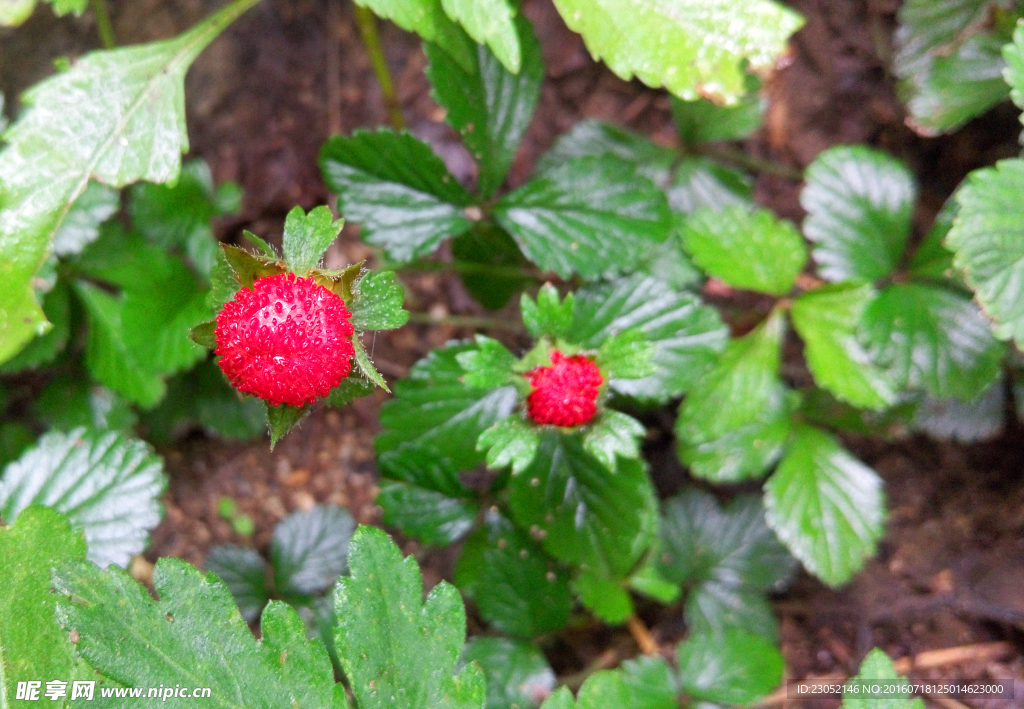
x: 368, y: 30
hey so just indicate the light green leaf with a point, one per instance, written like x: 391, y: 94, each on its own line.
x: 593, y: 216
x: 517, y: 588
x: 14, y: 12
x: 626, y: 355
x: 511, y: 441
x: 490, y: 22
x: 691, y: 48
x: 734, y: 668
x: 503, y: 268
x: 859, y: 206
x: 45, y: 348
x: 606, y: 599
x: 193, y: 637
x: 307, y: 236
x: 733, y: 425
x: 686, y: 334
x: 116, y: 116
x: 826, y: 506
x: 398, y: 651
x: 599, y: 518
x: 650, y: 683
x: 397, y: 189
x: 244, y: 572
x: 613, y: 434
x: 107, y: 485
x: 377, y: 304
x: 32, y: 645
x: 987, y: 239
x: 1013, y: 74
x: 931, y: 338
x: 427, y: 19
x: 878, y: 668
x: 751, y: 250
x: 488, y: 366
x: 491, y: 106
x: 547, y: 316
x: 309, y: 549
x: 432, y: 517
x: 81, y: 226
x: 828, y: 319
x: 704, y: 121
x: 517, y: 673
x: 669, y: 263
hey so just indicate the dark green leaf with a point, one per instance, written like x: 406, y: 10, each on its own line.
x: 517, y: 588
x: 398, y: 651
x: 751, y: 250
x: 434, y: 518
x: 826, y: 506
x: 71, y: 400
x: 310, y: 549
x: 934, y: 339
x: 687, y: 335
x: 500, y: 260
x: 734, y: 668
x: 733, y: 425
x: 81, y: 226
x: 613, y: 434
x: 15, y: 439
x: 397, y: 189
x: 282, y: 418
x: 584, y: 513
x: 590, y: 138
x: 931, y: 259
x: 244, y: 572
x: 351, y: 388
x: 427, y: 19
x: 517, y: 673
x: 45, y: 348
x: 878, y: 668
x: 378, y: 302
x: 490, y: 22
x: 548, y: 315
x: 307, y: 236
x: 703, y: 121
x: 107, y: 485
x: 859, y: 204
x: 669, y: 263
x: 511, y: 441
x: 193, y: 636
x: 702, y: 183
x: 593, y: 216
x: 205, y: 334
x: 828, y: 319
x: 963, y: 421
x: 492, y: 105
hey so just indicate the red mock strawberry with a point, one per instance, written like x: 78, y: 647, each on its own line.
x: 565, y: 393
x: 285, y: 341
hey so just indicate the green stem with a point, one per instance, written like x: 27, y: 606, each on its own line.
x: 103, y: 27
x: 470, y: 267
x: 468, y: 321
x: 741, y: 159
x: 368, y: 29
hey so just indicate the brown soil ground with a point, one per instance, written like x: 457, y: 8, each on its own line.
x: 265, y: 96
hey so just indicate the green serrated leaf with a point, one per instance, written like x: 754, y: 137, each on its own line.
x: 81, y: 226
x: 492, y: 105
x: 281, y: 419
x: 727, y: 558
x: 987, y: 239
x: 691, y: 48
x: 584, y: 513
x: 751, y: 250
x: 398, y: 651
x: 700, y: 183
x: 45, y: 348
x: 734, y: 668
x: 650, y: 683
x: 606, y: 599
x: 859, y: 206
x: 397, y: 189
x: 378, y: 302
x: 488, y: 366
x: 932, y: 338
x: 877, y: 667
x: 490, y: 22
x: 432, y: 517
x: 309, y: 549
x: 109, y: 487
x: 548, y: 315
x: 613, y: 434
x: 426, y: 18
x: 116, y: 116
x: 591, y: 138
x: 193, y: 636
x: 592, y: 215
x: 669, y: 263
x: 963, y: 421
x: 32, y: 645
x: 704, y: 121
x: 516, y: 672
x: 342, y: 282
x: 307, y: 236
x: 733, y: 425
x: 827, y: 320
x: 517, y: 588
x: 511, y: 441
x: 686, y: 334
x: 244, y: 572
x: 626, y: 355
x: 826, y: 506
x: 502, y: 272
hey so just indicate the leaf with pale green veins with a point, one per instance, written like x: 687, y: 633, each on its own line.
x: 193, y: 636
x: 377, y: 303
x: 518, y: 589
x: 963, y: 421
x: 987, y: 239
x: 307, y: 236
x: 702, y: 183
x: 686, y: 334
x: 434, y: 518
x: 426, y: 18
x: 733, y: 668
x: 398, y: 650
x: 116, y: 116
x: 827, y: 507
x: 490, y: 22
x: 397, y: 189
x: 626, y: 355
x: 878, y: 668
x: 592, y: 138
x: 32, y: 645
x: 859, y: 206
x: 828, y: 319
x: 734, y: 424
x: 309, y: 549
x: 517, y: 673
x: 690, y: 47
x: 750, y: 250
x: 108, y: 486
x: 244, y: 572
x: 931, y: 338
x: 593, y: 216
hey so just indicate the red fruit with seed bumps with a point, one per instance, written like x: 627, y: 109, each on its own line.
x: 285, y: 341
x: 565, y: 393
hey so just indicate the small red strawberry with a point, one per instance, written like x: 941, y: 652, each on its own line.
x: 565, y: 393
x: 285, y: 341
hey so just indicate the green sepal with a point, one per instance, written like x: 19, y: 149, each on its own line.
x: 547, y: 316
x: 205, y: 334
x: 365, y: 365
x: 488, y: 366
x: 264, y: 249
x: 248, y: 268
x: 510, y: 441
x: 351, y: 388
x: 282, y: 418
x: 307, y: 237
x: 341, y: 282
x: 626, y: 355
x: 613, y: 433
